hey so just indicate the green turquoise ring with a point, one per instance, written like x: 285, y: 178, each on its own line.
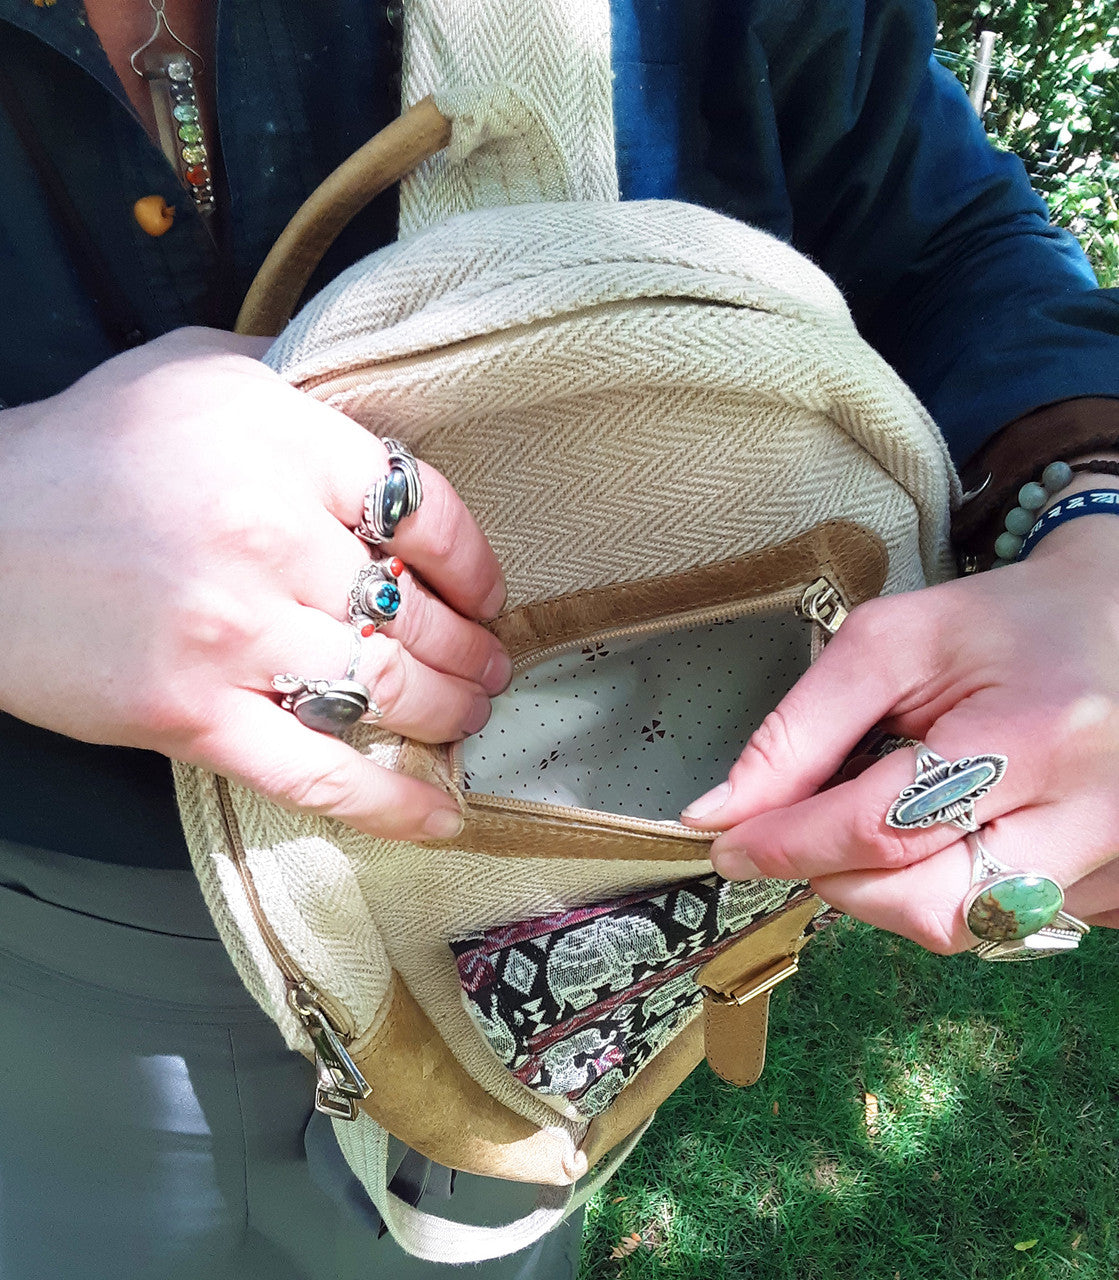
x: 1011, y: 906
x: 1016, y: 914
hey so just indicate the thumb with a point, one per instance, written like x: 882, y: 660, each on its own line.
x: 856, y: 682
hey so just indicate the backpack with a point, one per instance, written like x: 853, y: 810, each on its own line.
x: 691, y: 467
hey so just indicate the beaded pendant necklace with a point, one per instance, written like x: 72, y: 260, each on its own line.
x: 169, y: 66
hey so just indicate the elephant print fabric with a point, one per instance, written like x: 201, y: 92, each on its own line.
x: 577, y: 1002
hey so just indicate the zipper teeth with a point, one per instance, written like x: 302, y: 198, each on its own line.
x: 693, y: 618
x: 646, y: 825
x: 334, y: 1013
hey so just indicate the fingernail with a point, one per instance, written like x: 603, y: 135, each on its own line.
x: 479, y: 714
x: 733, y: 865
x: 498, y: 673
x: 495, y: 601
x: 714, y: 799
x: 443, y: 823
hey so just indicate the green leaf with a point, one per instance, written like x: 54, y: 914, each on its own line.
x: 1023, y: 1245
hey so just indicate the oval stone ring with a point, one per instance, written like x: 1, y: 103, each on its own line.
x: 945, y: 790
x: 330, y: 706
x: 393, y: 497
x: 1016, y: 915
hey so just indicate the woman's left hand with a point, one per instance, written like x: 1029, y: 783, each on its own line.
x: 1023, y: 662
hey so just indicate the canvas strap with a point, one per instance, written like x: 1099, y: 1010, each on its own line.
x: 426, y: 1235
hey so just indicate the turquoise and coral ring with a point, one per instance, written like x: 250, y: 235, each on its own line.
x: 945, y: 790
x: 375, y: 594
x: 1004, y: 906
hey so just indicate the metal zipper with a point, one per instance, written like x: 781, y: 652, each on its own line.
x: 821, y: 603
x: 340, y: 1086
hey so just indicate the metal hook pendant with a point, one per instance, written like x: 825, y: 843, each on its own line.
x: 161, y: 24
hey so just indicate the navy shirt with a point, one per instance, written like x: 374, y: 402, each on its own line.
x: 826, y: 123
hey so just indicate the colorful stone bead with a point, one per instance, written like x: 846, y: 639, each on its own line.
x: 190, y: 133
x: 194, y: 155
x: 185, y: 112
x: 197, y: 175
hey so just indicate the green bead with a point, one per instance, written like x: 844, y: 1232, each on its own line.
x: 190, y: 133
x: 1056, y: 475
x: 1007, y: 545
x: 1020, y: 521
x: 194, y: 155
x: 1032, y: 496
x: 1014, y: 906
x: 185, y: 113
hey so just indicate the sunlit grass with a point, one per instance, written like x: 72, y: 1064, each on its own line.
x: 919, y: 1117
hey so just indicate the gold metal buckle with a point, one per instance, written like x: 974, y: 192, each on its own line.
x: 757, y: 985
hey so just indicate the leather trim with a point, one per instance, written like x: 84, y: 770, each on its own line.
x: 510, y: 833
x: 735, y: 1039
x: 735, y: 1035
x: 849, y: 553
x: 423, y: 1094
x: 645, y: 1093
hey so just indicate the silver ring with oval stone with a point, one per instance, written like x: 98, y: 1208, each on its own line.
x: 391, y: 498
x: 330, y: 706
x: 1016, y: 915
x: 945, y: 790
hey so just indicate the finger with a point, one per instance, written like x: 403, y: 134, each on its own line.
x: 1095, y: 898
x: 430, y: 630
x: 443, y: 544
x: 441, y: 541
x: 863, y: 675
x: 263, y: 747
x: 924, y: 901
x: 411, y: 698
x: 444, y: 640
x: 844, y: 828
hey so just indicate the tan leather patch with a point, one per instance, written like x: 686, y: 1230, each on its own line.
x: 515, y: 833
x: 736, y: 1034
x: 852, y: 556
x: 423, y: 1094
x: 645, y: 1092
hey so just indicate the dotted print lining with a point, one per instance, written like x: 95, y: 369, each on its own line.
x: 638, y: 726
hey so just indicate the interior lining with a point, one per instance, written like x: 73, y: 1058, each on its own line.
x: 637, y: 726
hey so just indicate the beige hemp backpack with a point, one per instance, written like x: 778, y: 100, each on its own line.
x: 690, y: 466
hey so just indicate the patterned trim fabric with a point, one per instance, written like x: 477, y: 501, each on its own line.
x: 576, y: 1003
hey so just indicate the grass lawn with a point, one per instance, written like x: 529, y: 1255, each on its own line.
x: 919, y: 1118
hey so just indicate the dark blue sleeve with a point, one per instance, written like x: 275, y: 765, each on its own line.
x: 941, y: 247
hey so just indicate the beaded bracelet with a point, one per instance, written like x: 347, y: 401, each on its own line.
x: 1023, y: 519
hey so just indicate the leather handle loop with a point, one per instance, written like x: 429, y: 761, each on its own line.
x: 421, y: 132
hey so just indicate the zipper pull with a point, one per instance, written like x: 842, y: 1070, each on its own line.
x: 823, y: 604
x: 340, y: 1085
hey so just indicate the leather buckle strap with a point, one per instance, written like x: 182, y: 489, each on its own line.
x: 756, y: 985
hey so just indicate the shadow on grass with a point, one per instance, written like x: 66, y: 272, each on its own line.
x: 919, y: 1118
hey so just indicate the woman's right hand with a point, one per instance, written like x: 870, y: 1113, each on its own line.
x: 176, y: 529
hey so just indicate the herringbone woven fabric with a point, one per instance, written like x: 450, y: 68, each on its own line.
x: 530, y: 94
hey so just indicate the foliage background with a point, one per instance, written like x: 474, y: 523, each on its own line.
x: 1053, y: 99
